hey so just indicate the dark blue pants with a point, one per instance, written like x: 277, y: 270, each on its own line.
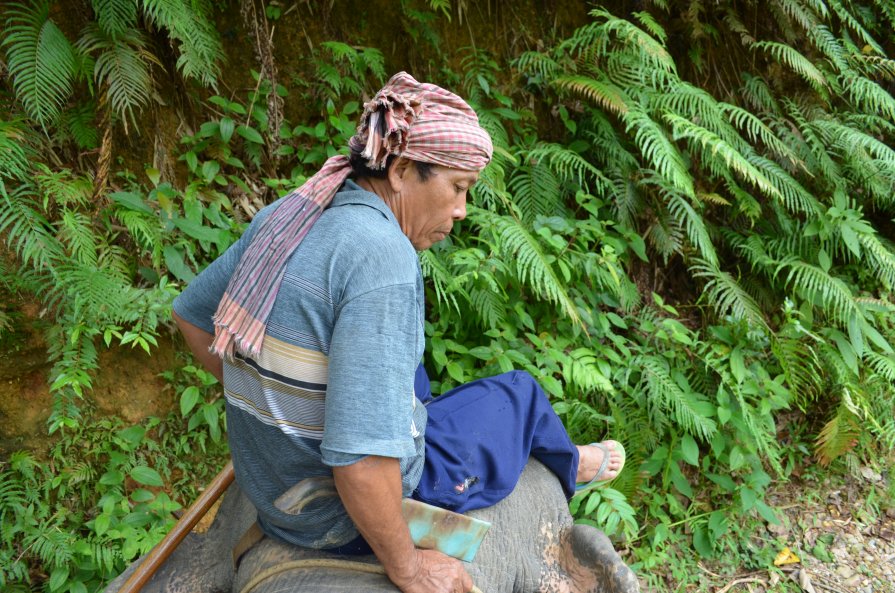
x: 480, y: 435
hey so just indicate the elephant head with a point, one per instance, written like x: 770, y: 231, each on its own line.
x: 533, y: 546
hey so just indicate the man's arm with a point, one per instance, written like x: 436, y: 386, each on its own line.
x: 199, y: 341
x: 371, y: 492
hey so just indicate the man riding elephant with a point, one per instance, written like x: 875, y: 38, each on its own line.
x: 313, y: 322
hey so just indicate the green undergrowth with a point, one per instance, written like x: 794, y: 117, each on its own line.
x: 686, y: 244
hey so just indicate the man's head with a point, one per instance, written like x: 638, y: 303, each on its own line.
x: 420, y: 148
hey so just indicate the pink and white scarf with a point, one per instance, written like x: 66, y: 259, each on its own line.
x: 420, y: 121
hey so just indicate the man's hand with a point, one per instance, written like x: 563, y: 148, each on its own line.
x: 371, y: 492
x: 434, y: 572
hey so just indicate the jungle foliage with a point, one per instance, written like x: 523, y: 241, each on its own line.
x: 683, y: 235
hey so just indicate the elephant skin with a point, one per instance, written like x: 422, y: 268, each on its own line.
x: 533, y: 546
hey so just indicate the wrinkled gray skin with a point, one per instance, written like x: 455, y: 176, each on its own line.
x: 532, y: 546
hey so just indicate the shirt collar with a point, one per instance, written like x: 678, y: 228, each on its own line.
x: 353, y: 194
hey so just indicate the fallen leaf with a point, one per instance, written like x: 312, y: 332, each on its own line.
x: 805, y: 582
x: 786, y: 556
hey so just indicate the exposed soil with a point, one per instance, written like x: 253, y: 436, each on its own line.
x: 840, y: 534
x: 127, y: 385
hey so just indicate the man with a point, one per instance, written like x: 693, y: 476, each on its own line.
x: 313, y: 322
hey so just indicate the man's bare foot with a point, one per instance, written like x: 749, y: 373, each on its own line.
x: 590, y: 458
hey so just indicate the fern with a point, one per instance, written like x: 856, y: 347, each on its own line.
x: 115, y: 17
x: 40, y: 59
x: 659, y: 151
x: 122, y: 68
x: 533, y: 265
x: 188, y: 24
x: 536, y: 191
x: 667, y: 395
x: 711, y: 145
x: 838, y: 436
x: 603, y: 93
x: 795, y: 60
x: 726, y: 295
x: 833, y: 294
x: 570, y: 166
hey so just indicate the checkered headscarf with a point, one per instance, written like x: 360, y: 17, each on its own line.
x: 420, y: 121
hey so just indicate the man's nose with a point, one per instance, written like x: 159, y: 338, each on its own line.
x: 460, y: 210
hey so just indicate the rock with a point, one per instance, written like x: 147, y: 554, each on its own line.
x: 844, y: 571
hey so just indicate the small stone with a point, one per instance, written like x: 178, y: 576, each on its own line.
x: 844, y: 571
x: 853, y: 581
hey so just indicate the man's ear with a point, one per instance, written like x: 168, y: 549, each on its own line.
x: 398, y: 172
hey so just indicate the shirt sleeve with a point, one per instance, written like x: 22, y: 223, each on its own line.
x: 372, y: 359
x: 199, y: 300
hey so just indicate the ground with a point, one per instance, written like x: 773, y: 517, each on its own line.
x: 840, y: 535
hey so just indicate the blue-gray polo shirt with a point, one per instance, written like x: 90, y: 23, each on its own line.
x: 334, y: 380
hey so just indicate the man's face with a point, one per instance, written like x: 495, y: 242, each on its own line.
x: 427, y: 209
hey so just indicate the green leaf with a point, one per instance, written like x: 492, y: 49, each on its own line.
x: 737, y: 366
x: 455, y: 371
x: 702, y: 543
x: 250, y: 134
x: 132, y: 201
x: 680, y: 481
x: 748, y: 497
x: 690, y: 450
x: 767, y: 513
x: 58, y: 578
x: 174, y: 262
x: 227, y: 126
x: 855, y: 335
x: 188, y: 399
x: 112, y: 478
x: 101, y: 524
x: 146, y: 476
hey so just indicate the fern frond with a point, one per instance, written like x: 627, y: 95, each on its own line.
x: 758, y: 131
x: 881, y: 257
x: 838, y: 436
x: 75, y: 230
x: 834, y: 294
x: 726, y: 296
x: 800, y: 64
x: 534, y: 266
x: 40, y: 59
x: 855, y: 25
x: 489, y: 304
x: 665, y: 393
x: 826, y: 42
x: 434, y: 269
x: 602, y: 92
x: 570, y: 165
x: 758, y: 94
x: 62, y: 188
x: 801, y: 368
x: 846, y: 138
x: 28, y: 232
x: 659, y: 151
x: 535, y: 63
x: 122, y: 67
x: 79, y: 121
x: 115, y: 17
x: 688, y: 218
x: 793, y: 194
x: 536, y: 191
x: 14, y: 152
x: 652, y: 52
x: 189, y: 24
x: 580, y: 370
x: 711, y: 144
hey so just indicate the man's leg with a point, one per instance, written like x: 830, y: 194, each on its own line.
x: 480, y: 435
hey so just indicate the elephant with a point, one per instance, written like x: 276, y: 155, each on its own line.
x: 532, y: 546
